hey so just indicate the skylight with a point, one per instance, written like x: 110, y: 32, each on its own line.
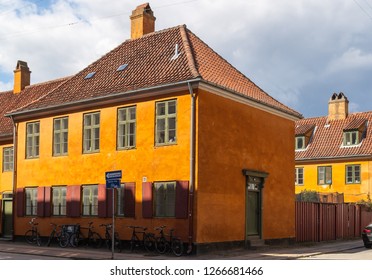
x: 90, y: 75
x: 122, y: 67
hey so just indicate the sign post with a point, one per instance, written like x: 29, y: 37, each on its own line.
x: 112, y: 182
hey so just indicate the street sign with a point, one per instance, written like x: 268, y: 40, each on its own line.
x: 110, y: 184
x: 113, y: 179
x: 113, y: 174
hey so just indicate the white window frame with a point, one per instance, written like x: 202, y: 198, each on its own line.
x: 299, y: 176
x: 165, y: 199
x: 91, y: 132
x: 126, y: 132
x: 8, y: 159
x: 166, y: 122
x: 33, y: 139
x: 31, y: 201
x: 90, y: 200
x: 60, y: 136
x: 59, y: 200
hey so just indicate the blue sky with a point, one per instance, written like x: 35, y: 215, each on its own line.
x: 300, y: 52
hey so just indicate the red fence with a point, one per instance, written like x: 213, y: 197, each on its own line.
x: 330, y: 221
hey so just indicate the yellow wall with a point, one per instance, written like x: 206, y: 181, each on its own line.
x: 156, y: 163
x: 231, y: 137
x: 352, y: 192
x: 6, y: 178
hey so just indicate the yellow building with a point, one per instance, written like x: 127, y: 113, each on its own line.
x: 334, y: 153
x: 196, y: 142
x: 22, y: 94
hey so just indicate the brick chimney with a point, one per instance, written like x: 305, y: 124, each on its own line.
x: 338, y: 107
x: 142, y: 21
x: 22, y: 76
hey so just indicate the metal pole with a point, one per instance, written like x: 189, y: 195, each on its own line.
x: 113, y: 225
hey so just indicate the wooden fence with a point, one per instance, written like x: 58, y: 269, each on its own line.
x: 317, y: 222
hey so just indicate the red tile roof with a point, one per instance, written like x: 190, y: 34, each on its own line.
x: 327, y: 139
x: 10, y: 101
x: 150, y: 65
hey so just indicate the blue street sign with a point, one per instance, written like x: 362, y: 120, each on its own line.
x: 113, y: 174
x: 113, y: 183
x: 113, y: 179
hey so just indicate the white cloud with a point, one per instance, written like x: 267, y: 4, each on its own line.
x: 352, y: 58
x: 286, y: 47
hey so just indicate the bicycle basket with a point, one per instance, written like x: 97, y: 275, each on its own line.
x: 70, y: 228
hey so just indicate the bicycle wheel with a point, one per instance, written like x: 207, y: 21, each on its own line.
x: 134, y: 243
x: 30, y: 236
x: 149, y: 242
x: 64, y: 240
x: 161, y: 245
x: 95, y: 240
x: 38, y: 239
x: 51, y: 237
x: 117, y: 243
x: 177, y: 247
x: 74, y: 240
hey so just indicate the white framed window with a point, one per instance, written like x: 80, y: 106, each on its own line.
x: 31, y: 201
x: 351, y: 138
x: 59, y: 201
x: 299, y: 175
x: 32, y: 139
x: 90, y: 200
x: 164, y: 199
x: 300, y: 143
x: 91, y: 134
x: 126, y: 128
x: 60, y: 136
x: 8, y: 159
x: 166, y: 118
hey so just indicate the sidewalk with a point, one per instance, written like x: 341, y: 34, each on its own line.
x: 264, y: 253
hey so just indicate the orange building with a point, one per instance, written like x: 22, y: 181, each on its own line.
x: 196, y: 141
x: 334, y: 153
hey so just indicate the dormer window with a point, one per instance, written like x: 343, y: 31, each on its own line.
x: 351, y: 138
x: 354, y: 132
x: 300, y: 143
x: 304, y: 135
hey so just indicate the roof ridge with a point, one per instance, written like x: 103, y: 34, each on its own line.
x: 188, y: 51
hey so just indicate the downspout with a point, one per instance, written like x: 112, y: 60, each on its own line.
x: 15, y: 138
x: 192, y: 170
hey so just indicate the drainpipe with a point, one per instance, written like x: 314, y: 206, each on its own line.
x: 15, y: 137
x: 192, y: 170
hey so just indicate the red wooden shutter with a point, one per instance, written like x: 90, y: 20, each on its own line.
x: 73, y: 196
x: 40, y: 201
x: 147, y: 200
x: 182, y: 191
x: 102, y: 205
x: 129, y: 200
x: 47, y: 201
x: 20, y: 198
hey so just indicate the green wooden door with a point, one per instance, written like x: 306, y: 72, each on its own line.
x: 7, y: 218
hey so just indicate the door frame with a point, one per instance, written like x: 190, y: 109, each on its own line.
x: 262, y: 175
x: 7, y: 198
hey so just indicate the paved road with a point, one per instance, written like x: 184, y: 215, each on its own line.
x: 266, y: 253
x: 352, y: 254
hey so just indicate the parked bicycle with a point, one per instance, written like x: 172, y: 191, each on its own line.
x: 141, y: 239
x: 164, y: 245
x: 32, y: 235
x: 92, y: 238
x: 55, y: 235
x: 108, y: 236
x: 67, y: 231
